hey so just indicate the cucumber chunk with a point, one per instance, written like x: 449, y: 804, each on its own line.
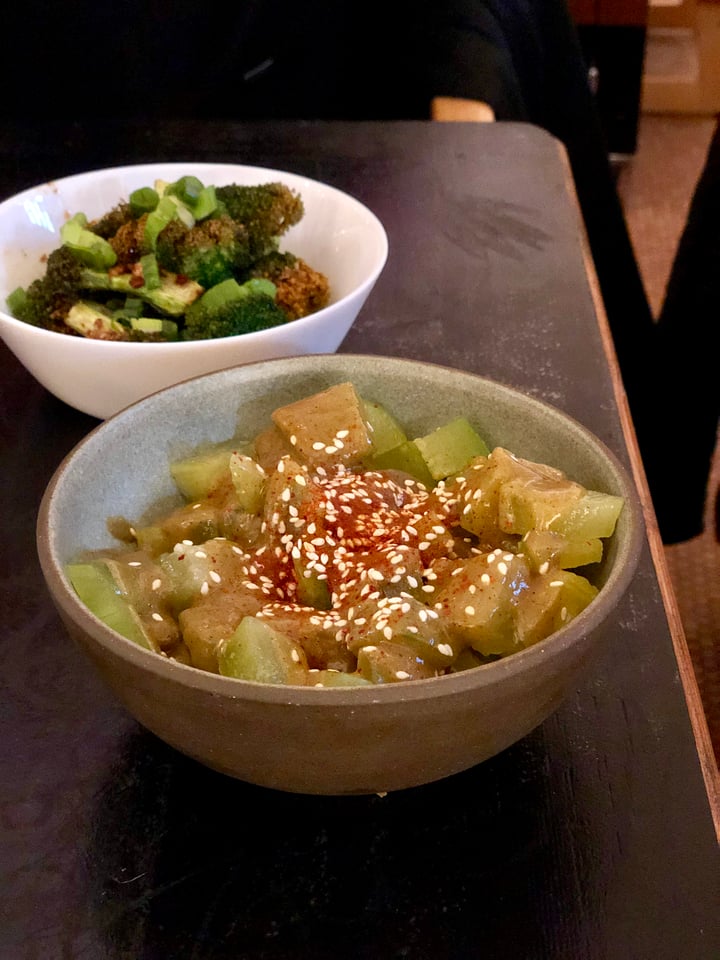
x: 384, y: 430
x: 451, y: 447
x: 406, y: 458
x: 594, y: 515
x: 198, y: 475
x: 100, y: 592
x: 257, y: 652
x: 249, y: 480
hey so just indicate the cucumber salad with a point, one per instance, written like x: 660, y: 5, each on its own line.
x: 334, y: 550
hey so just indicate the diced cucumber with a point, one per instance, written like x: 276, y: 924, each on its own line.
x: 479, y: 602
x: 390, y: 662
x: 198, y: 475
x: 554, y: 549
x: 594, y: 515
x: 102, y: 595
x: 249, y: 480
x: 407, y: 458
x: 550, y: 603
x: 257, y: 652
x: 449, y: 448
x: 336, y: 678
x: 535, y: 503
x: 384, y: 430
x: 193, y: 570
x: 311, y: 591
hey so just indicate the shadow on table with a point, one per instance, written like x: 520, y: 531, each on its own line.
x: 187, y: 863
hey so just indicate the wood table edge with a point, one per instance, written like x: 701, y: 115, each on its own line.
x: 696, y: 711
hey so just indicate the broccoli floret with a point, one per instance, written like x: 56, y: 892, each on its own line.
x: 301, y: 290
x: 109, y: 224
x: 128, y: 241
x: 231, y: 308
x: 209, y: 252
x: 48, y: 299
x: 267, y: 211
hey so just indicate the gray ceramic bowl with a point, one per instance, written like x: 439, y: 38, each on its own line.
x: 325, y: 740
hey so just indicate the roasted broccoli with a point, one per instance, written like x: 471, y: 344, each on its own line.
x: 231, y: 308
x: 213, y: 250
x: 300, y: 289
x: 266, y: 211
x: 45, y: 303
x: 176, y: 261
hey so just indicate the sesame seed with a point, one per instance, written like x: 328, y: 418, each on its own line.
x: 134, y: 563
x: 544, y: 567
x: 557, y: 583
x: 204, y: 588
x: 502, y: 568
x: 402, y: 675
x: 470, y: 611
x: 318, y: 445
x: 157, y: 583
x: 215, y: 576
x: 158, y: 617
x: 445, y: 649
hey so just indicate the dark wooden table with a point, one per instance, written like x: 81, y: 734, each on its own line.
x: 592, y: 838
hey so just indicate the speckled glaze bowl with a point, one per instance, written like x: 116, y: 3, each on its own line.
x: 327, y: 740
x: 337, y: 235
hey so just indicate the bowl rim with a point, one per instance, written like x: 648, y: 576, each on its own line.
x: 448, y: 685
x: 179, y: 167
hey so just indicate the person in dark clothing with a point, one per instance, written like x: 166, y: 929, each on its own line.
x: 685, y: 380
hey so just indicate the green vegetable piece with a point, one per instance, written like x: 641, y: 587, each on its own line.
x: 17, y: 300
x: 187, y: 188
x: 556, y: 550
x: 94, y: 320
x: 198, y: 475
x: 228, y: 291
x: 405, y: 457
x: 249, y: 480
x: 205, y: 204
x: 100, y: 592
x: 173, y: 297
x: 594, y: 515
x: 337, y: 678
x: 311, y: 591
x: 257, y: 652
x: 158, y: 219
x: 88, y: 247
x: 384, y: 430
x: 156, y: 327
x: 451, y: 447
x: 131, y: 307
x: 143, y: 200
x: 150, y: 271
x: 550, y: 603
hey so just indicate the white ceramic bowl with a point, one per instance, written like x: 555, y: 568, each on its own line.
x: 338, y: 235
